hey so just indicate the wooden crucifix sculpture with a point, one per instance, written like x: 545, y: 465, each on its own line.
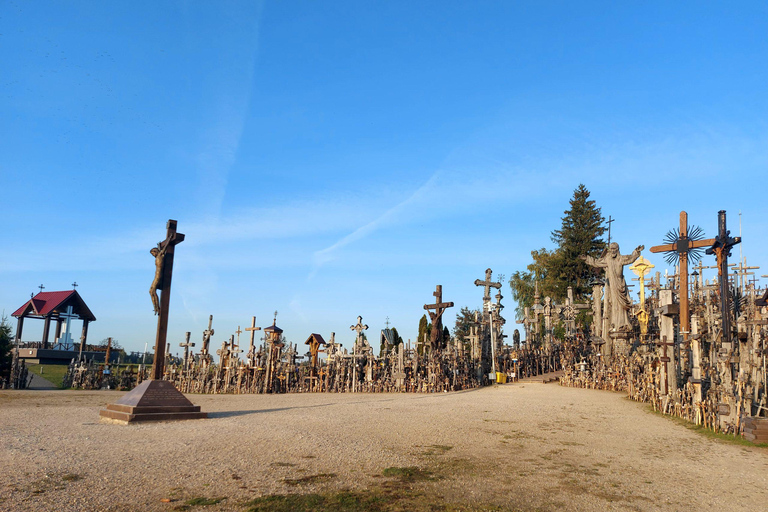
x: 681, y: 243
x: 163, y: 254
x: 437, y: 324
x: 721, y: 248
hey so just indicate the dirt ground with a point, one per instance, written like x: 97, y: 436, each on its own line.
x: 517, y: 446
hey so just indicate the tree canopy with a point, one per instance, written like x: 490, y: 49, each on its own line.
x: 555, y: 270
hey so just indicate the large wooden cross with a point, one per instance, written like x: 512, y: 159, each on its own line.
x: 488, y: 284
x: 252, y: 347
x: 665, y: 359
x: 164, y: 285
x: 682, y: 246
x: 439, y: 306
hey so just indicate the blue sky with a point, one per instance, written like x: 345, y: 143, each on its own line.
x: 335, y: 159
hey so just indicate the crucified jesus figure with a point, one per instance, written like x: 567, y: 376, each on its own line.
x: 159, y: 254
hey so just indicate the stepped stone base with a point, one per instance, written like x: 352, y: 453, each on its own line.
x: 152, y: 400
x: 756, y: 430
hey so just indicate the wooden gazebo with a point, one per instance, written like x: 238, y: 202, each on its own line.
x: 54, y: 306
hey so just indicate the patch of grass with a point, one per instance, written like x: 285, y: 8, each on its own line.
x: 198, y: 502
x: 310, y: 479
x: 71, y: 477
x: 408, y: 474
x: 345, y: 501
x: 711, y: 434
x: 283, y: 465
x: 435, y: 449
x: 375, y: 500
x: 51, y: 372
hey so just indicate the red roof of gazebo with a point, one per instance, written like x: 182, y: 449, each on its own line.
x: 45, y: 304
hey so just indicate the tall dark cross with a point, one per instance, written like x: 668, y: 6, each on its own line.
x: 41, y: 288
x: 439, y: 306
x: 721, y: 248
x: 74, y: 285
x: 665, y: 359
x: 681, y: 244
x: 252, y: 347
x: 164, y: 285
x: 207, y: 337
x: 609, y: 222
x: 488, y: 284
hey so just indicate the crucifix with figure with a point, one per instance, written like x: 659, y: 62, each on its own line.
x: 163, y: 254
x: 156, y: 399
x: 721, y: 248
x: 437, y: 324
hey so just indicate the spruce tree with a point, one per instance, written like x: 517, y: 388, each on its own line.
x: 580, y: 234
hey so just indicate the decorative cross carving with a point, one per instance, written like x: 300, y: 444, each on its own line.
x: 682, y: 246
x: 186, y: 346
x: 640, y: 268
x: 488, y: 284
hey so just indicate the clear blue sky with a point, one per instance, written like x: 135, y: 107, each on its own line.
x: 335, y: 159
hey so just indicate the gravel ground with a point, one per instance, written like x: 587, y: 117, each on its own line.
x: 518, y: 446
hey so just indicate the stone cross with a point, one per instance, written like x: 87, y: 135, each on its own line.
x: 66, y: 342
x: 359, y: 328
x: 252, y: 347
x: 163, y: 283
x: 487, y: 284
x: 186, y: 346
x: 439, y: 306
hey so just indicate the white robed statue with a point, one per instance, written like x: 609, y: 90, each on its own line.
x: 613, y: 263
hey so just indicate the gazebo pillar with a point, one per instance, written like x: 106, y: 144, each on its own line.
x: 57, y: 333
x: 19, y: 328
x: 46, y: 332
x: 84, y: 335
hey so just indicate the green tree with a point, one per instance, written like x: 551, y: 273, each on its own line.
x: 523, y: 283
x: 425, y: 329
x: 580, y: 234
x: 556, y: 270
x: 464, y: 320
x: 5, y: 348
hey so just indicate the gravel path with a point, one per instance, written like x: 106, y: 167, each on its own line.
x: 518, y: 446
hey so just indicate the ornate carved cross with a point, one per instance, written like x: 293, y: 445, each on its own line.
x: 186, y: 350
x: 682, y: 246
x: 488, y: 284
x: 665, y: 359
x: 640, y: 268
